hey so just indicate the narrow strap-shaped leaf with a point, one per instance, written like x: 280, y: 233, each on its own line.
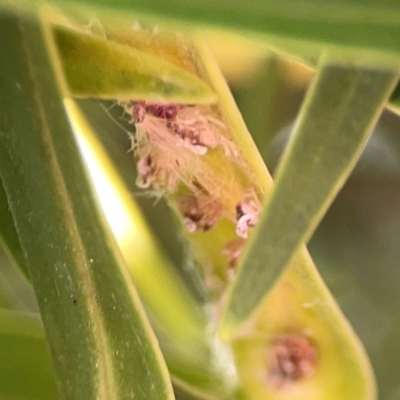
x: 177, y: 320
x: 299, y: 306
x: 160, y: 289
x: 363, y: 31
x: 8, y: 234
x: 23, y: 349
x: 99, y: 68
x: 158, y: 216
x: 336, y: 119
x: 363, y: 27
x: 102, y: 345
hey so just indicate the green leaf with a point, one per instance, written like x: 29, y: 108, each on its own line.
x: 368, y: 24
x: 305, y: 27
x: 272, y: 99
x: 101, y: 343
x: 362, y: 31
x: 112, y: 133
x: 25, y: 365
x: 300, y: 306
x: 16, y: 292
x: 337, y: 117
x: 160, y: 288
x: 185, y: 392
x: 15, y: 288
x: 98, y: 68
x: 178, y: 321
x: 8, y: 234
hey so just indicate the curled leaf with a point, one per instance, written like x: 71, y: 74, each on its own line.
x: 98, y: 68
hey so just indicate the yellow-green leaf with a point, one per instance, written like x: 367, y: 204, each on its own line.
x: 336, y: 119
x: 301, y: 308
x: 100, y: 340
x: 98, y: 68
x: 298, y: 304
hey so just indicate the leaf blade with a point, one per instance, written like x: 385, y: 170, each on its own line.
x: 299, y: 304
x: 8, y: 234
x: 313, y: 169
x: 99, y: 68
x: 101, y: 343
x: 306, y: 28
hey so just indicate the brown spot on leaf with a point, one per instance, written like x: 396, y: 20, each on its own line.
x: 291, y: 358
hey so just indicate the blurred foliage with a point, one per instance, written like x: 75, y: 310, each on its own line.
x: 25, y: 368
x: 356, y: 245
x: 15, y: 291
